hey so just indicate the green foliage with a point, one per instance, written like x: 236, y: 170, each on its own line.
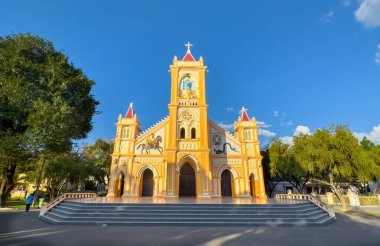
x: 63, y: 170
x: 284, y: 166
x: 45, y: 103
x: 99, y: 154
x: 327, y: 156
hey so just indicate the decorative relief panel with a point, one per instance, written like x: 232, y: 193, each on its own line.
x: 152, y: 144
x: 221, y: 144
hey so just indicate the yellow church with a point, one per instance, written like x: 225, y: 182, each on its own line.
x: 186, y: 154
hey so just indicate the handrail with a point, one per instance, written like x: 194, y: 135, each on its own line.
x: 61, y: 198
x: 311, y: 198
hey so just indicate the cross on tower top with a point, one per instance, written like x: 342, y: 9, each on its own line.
x: 188, y: 45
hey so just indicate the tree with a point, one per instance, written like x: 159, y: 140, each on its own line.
x: 271, y: 181
x: 370, y: 159
x: 64, y: 169
x: 99, y: 154
x: 330, y: 155
x: 284, y: 166
x: 45, y: 103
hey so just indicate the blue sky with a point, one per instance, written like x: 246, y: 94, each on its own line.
x: 296, y: 65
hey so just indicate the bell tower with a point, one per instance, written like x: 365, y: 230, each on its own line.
x: 188, y: 118
x: 188, y: 108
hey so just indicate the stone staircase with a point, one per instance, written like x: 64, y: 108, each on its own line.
x: 298, y: 214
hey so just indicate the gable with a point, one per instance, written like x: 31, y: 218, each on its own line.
x: 223, y: 143
x: 152, y: 141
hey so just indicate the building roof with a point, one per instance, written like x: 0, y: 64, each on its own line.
x: 188, y: 56
x: 129, y: 114
x: 244, y: 115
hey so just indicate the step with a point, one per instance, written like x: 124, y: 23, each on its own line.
x: 169, y: 206
x: 171, y: 214
x: 194, y: 218
x: 185, y: 210
x: 321, y: 222
x: 298, y: 214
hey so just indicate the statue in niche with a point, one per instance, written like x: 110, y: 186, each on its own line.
x: 187, y: 86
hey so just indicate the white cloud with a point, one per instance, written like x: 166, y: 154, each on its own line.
x: 266, y: 133
x: 377, y: 55
x: 227, y: 127
x: 262, y: 124
x: 230, y: 109
x: 276, y: 113
x: 302, y: 129
x: 374, y: 135
x: 328, y: 17
x: 368, y: 13
x: 299, y: 130
x: 287, y: 140
x: 289, y: 123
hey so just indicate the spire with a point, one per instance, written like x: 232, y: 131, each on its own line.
x: 188, y: 56
x: 129, y: 114
x: 244, y: 115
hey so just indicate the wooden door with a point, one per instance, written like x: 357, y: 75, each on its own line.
x: 147, y: 183
x: 187, y: 181
x: 121, y: 184
x: 226, y: 183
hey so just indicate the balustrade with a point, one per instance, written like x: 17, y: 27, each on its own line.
x: 46, y: 207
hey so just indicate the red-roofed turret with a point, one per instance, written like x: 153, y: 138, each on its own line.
x: 188, y: 56
x: 244, y: 115
x: 129, y: 114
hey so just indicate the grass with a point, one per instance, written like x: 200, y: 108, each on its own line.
x: 18, y: 203
x: 364, y: 200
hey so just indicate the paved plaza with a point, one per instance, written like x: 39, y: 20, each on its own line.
x: 352, y: 228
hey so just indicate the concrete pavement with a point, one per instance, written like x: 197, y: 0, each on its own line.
x: 352, y: 228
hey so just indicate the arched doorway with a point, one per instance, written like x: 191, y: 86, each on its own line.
x: 187, y: 181
x: 252, y: 185
x: 120, y: 184
x: 147, y: 183
x: 226, y: 186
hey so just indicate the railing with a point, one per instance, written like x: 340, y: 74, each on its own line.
x: 59, y: 199
x: 311, y: 198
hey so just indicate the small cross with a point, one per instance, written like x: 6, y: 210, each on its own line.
x: 188, y: 45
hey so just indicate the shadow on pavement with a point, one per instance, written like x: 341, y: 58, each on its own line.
x: 350, y: 228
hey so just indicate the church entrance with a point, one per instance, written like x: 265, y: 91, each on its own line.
x: 120, y: 186
x: 147, y: 183
x: 226, y: 186
x: 187, y: 181
x: 252, y: 185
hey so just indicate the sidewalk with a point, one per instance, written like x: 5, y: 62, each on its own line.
x: 350, y: 229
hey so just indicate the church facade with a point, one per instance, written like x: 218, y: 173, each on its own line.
x: 186, y: 154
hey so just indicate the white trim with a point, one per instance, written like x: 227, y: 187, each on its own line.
x: 229, y: 168
x: 144, y: 167
x: 180, y: 162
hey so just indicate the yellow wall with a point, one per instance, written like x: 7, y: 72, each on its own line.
x: 208, y: 156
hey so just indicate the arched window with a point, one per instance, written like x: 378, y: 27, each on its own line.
x: 193, y: 133
x: 127, y: 135
x: 182, y: 133
x: 123, y: 132
x: 247, y: 134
